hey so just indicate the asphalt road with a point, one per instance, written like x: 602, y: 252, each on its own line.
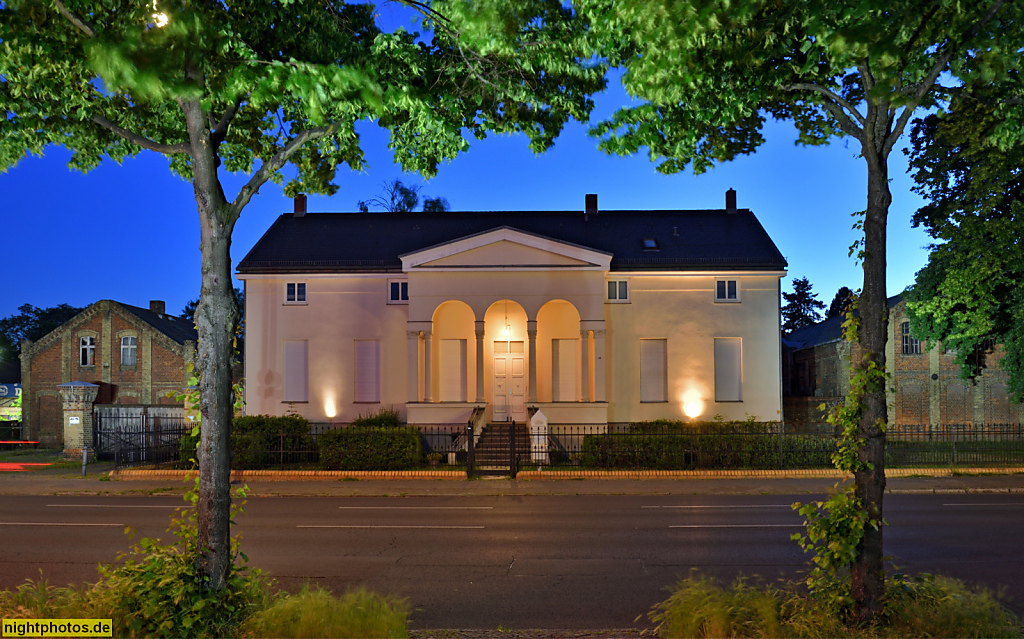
x: 541, y: 561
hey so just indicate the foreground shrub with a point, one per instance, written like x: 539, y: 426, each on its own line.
x: 371, y: 448
x: 261, y: 441
x: 385, y: 417
x: 315, y: 613
x: 925, y: 606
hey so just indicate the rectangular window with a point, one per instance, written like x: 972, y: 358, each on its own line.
x: 453, y: 370
x: 618, y: 291
x: 911, y: 346
x: 727, y: 290
x: 367, y: 373
x: 87, y: 351
x: 565, y: 356
x: 728, y: 369
x: 296, y: 371
x: 653, y: 370
x: 398, y: 292
x: 295, y: 293
x: 128, y: 350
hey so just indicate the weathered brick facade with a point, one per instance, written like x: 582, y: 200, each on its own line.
x: 97, y: 346
x: 925, y: 387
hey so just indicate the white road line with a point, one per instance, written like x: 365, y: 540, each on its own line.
x: 725, y: 507
x: 109, y: 506
x: 411, y: 527
x: 742, y: 526
x: 35, y: 523
x: 416, y: 507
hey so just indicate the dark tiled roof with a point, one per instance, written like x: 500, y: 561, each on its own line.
x: 831, y: 330
x: 686, y: 240
x: 178, y: 329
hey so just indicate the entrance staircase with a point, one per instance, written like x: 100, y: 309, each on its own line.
x: 492, y: 449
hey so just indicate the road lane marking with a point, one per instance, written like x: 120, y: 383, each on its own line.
x: 740, y: 526
x: 109, y: 506
x: 416, y: 507
x: 36, y: 523
x: 411, y: 527
x: 727, y: 507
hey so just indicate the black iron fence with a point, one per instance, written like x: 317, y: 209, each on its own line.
x: 134, y: 441
x: 10, y: 431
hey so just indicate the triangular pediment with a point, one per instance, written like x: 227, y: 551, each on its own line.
x: 506, y: 248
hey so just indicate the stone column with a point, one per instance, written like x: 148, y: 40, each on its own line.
x: 531, y: 333
x: 599, y: 372
x: 413, y: 338
x: 480, y: 396
x: 78, y: 398
x: 585, y: 366
x: 428, y: 344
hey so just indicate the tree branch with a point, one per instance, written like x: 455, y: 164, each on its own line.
x: 139, y: 140
x: 80, y: 23
x: 220, y: 131
x: 276, y: 162
x: 830, y: 95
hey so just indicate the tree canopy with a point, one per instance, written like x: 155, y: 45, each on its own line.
x: 252, y: 86
x: 396, y: 197
x: 707, y: 75
x: 802, y: 307
x: 844, y: 296
x: 31, y: 322
x: 969, y: 294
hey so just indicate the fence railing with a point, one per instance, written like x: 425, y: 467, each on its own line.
x: 655, y: 446
x: 10, y: 430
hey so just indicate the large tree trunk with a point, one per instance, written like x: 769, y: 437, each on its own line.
x: 867, y: 572
x: 215, y: 316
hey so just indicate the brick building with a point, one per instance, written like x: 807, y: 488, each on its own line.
x: 925, y: 386
x: 135, y: 355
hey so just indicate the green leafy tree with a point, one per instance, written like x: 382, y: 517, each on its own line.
x: 31, y: 323
x: 396, y: 197
x: 251, y: 86
x: 969, y: 294
x: 802, y: 306
x: 844, y: 297
x: 708, y: 74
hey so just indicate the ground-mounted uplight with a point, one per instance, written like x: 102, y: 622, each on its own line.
x: 330, y: 409
x: 693, y: 404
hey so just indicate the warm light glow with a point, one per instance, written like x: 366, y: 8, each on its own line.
x: 160, y: 18
x: 329, y: 409
x: 508, y: 330
x: 693, y: 405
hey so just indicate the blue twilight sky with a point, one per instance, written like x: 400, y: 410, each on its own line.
x: 131, y: 232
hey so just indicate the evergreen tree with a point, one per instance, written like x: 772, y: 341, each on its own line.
x: 839, y: 303
x: 802, y: 306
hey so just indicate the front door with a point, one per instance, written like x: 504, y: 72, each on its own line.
x: 509, y: 381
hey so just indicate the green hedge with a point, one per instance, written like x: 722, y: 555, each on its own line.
x: 371, y: 448
x: 262, y: 441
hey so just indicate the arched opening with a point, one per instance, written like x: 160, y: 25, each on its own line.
x: 558, y: 353
x: 453, y: 367
x: 506, y: 363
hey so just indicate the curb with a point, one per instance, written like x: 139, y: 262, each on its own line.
x: 342, y: 475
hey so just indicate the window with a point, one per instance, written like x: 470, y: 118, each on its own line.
x: 87, y: 351
x: 653, y: 370
x: 398, y: 292
x: 296, y: 371
x: 618, y: 291
x: 367, y: 373
x: 727, y: 290
x: 650, y: 244
x: 911, y: 346
x: 728, y: 369
x: 128, y: 350
x: 295, y: 293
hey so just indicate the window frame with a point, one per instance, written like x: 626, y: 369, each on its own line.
x: 727, y: 299
x: 403, y: 287
x: 133, y: 348
x: 619, y: 282
x: 87, y: 348
x: 299, y: 300
x: 908, y: 345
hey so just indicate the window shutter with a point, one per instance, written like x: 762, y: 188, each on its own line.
x: 653, y: 370
x: 564, y: 357
x: 728, y: 369
x: 367, y: 373
x: 296, y: 371
x: 453, y: 370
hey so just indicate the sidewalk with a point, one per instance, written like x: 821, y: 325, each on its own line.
x: 67, y: 480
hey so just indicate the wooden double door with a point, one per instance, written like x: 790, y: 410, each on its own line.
x: 510, y: 381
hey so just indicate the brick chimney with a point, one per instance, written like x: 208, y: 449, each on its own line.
x: 300, y: 205
x: 730, y: 200
x: 158, y: 307
x: 590, y: 207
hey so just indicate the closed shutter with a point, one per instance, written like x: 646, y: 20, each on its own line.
x: 728, y: 369
x: 367, y: 373
x: 653, y: 370
x: 296, y: 371
x: 453, y: 370
x: 564, y: 357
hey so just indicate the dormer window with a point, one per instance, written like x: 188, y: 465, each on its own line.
x: 650, y: 244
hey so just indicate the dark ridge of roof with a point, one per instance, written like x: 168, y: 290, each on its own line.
x: 374, y: 241
x: 830, y: 330
x: 178, y: 329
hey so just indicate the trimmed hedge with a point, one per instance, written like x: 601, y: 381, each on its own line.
x: 371, y: 448
x: 261, y: 441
